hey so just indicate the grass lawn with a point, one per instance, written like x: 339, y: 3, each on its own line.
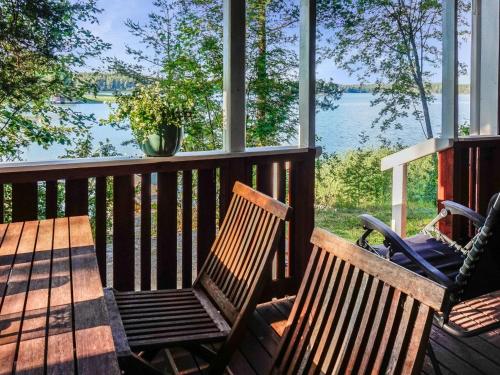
x: 344, y: 221
x: 90, y: 98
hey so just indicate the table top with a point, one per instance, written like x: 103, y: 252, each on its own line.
x: 53, y: 317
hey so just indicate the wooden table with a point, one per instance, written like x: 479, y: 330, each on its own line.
x: 52, y: 313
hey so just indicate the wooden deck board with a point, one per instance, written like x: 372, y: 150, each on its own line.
x: 476, y: 355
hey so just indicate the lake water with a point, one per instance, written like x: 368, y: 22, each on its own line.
x: 338, y: 130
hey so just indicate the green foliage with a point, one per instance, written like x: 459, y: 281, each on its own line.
x: 42, y: 44
x: 422, y: 180
x: 151, y: 107
x: 183, y: 54
x: 464, y: 129
x: 84, y: 147
x: 354, y: 178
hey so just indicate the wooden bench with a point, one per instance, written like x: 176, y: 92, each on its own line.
x: 225, y: 292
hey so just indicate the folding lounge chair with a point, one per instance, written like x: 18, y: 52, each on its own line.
x: 470, y: 271
x: 357, y: 313
x: 223, y: 296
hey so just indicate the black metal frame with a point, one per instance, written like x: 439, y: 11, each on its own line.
x: 472, y: 253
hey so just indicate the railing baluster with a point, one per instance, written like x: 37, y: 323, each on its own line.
x: 224, y: 190
x: 206, y: 214
x: 265, y: 185
x: 167, y: 231
x: 146, y: 231
x: 187, y: 228
x: 265, y: 178
x: 123, y: 233
x: 2, y: 197
x: 77, y: 197
x: 301, y: 199
x: 101, y: 226
x: 399, y: 189
x: 280, y: 194
x: 231, y: 171
x: 50, y: 199
x: 24, y: 201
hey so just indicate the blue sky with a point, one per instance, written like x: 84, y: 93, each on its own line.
x: 112, y: 30
x: 111, y: 27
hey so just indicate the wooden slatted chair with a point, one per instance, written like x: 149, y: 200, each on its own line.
x: 225, y: 292
x: 357, y: 313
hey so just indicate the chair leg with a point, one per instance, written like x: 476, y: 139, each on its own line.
x: 149, y: 355
x: 202, y: 351
x: 434, y: 361
x: 133, y: 364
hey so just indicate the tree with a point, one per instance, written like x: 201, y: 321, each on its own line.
x: 85, y: 147
x: 183, y: 40
x: 272, y: 72
x: 182, y: 54
x: 394, y: 42
x: 43, y: 43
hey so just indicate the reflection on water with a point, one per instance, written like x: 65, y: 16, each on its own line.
x: 338, y: 130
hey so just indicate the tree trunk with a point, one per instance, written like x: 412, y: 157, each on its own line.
x: 425, y: 109
x: 418, y: 76
x: 261, y: 64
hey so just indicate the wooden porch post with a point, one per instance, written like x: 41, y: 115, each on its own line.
x: 302, y: 174
x: 399, y: 199
x: 475, y: 69
x: 307, y: 72
x: 234, y: 76
x: 449, y: 127
x: 485, y: 73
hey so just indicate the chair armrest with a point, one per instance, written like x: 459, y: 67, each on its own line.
x: 455, y: 208
x: 372, y: 223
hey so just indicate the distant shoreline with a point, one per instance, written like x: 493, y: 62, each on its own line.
x: 436, y: 88
x: 110, y: 97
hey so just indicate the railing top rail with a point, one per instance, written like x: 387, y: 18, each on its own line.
x: 420, y: 150
x: 114, y: 166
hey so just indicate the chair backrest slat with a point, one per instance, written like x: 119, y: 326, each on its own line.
x: 357, y: 313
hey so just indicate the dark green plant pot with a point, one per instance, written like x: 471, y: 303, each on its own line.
x: 166, y: 143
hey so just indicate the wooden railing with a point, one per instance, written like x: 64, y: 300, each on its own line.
x: 469, y: 173
x: 155, y: 218
x: 398, y: 162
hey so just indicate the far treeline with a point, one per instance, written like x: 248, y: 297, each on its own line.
x: 120, y: 82
x: 435, y: 88
x: 109, y: 81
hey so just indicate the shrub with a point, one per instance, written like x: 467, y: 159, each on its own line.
x: 354, y: 178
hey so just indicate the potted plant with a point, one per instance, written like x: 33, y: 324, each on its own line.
x: 157, y: 116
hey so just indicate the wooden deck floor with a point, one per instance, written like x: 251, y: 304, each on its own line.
x: 477, y: 355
